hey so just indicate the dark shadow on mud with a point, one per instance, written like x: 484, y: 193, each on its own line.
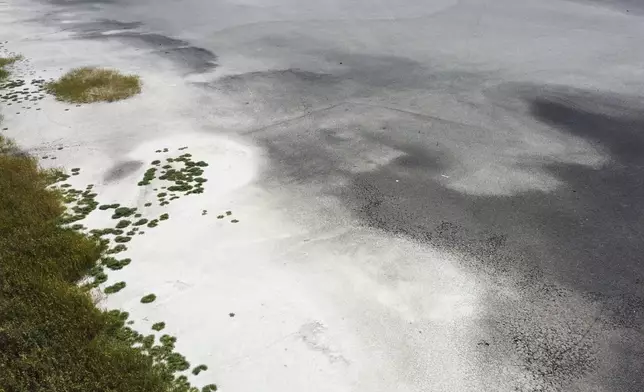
x: 587, y: 236
x: 180, y: 51
x: 122, y: 170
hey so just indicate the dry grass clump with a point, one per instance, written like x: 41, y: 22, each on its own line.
x: 90, y: 84
x: 4, y: 61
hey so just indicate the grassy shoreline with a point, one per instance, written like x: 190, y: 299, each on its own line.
x: 52, y: 335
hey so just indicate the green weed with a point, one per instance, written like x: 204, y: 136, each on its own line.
x: 115, y: 288
x: 123, y: 224
x: 199, y: 369
x: 148, y: 298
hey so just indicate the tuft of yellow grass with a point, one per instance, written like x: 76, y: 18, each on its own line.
x: 91, y: 84
x: 4, y: 61
x: 9, y: 60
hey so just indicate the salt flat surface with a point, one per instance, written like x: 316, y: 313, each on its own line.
x: 432, y: 196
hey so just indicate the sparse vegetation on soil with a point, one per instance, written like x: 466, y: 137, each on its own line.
x: 4, y: 61
x: 114, y: 264
x: 89, y: 84
x: 53, y: 337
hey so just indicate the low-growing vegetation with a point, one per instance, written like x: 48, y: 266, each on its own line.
x: 140, y: 222
x: 148, y: 298
x: 117, y: 249
x: 114, y: 264
x: 123, y: 224
x: 123, y: 212
x: 122, y: 239
x: 108, y: 206
x: 4, y: 61
x: 90, y: 84
x: 115, y: 288
x: 52, y: 336
x: 199, y: 369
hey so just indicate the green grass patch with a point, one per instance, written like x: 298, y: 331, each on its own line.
x: 148, y: 342
x: 114, y: 264
x: 199, y: 369
x: 122, y: 239
x: 123, y: 212
x: 108, y: 206
x: 123, y: 224
x: 115, y: 288
x: 140, y: 222
x: 90, y: 84
x: 52, y: 336
x: 117, y: 249
x: 177, y: 362
x: 148, y: 298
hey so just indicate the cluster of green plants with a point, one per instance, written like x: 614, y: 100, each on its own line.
x: 91, y: 84
x: 80, y: 203
x: 185, y: 179
x: 228, y: 213
x: 114, y: 264
x: 52, y: 335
